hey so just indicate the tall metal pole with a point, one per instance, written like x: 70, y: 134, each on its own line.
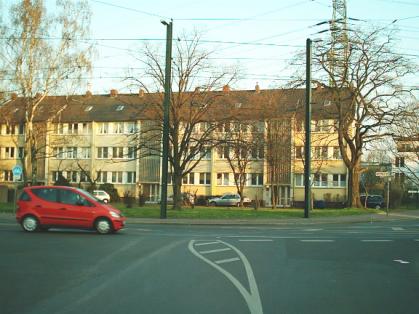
x: 307, y: 145
x: 166, y: 106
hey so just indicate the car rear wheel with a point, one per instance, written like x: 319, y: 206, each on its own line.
x: 103, y: 226
x: 105, y: 201
x: 377, y: 207
x: 213, y: 204
x: 30, y: 224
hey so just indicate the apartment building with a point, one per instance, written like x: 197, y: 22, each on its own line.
x: 97, y: 139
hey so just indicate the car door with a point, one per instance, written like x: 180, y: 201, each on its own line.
x: 77, y: 210
x: 46, y: 205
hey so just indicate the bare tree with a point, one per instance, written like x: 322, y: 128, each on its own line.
x: 368, y: 95
x: 41, y: 55
x: 192, y: 105
x: 241, y: 143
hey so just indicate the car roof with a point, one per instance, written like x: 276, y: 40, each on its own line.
x: 49, y: 187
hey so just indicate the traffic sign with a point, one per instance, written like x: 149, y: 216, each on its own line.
x: 383, y: 174
x: 17, y: 171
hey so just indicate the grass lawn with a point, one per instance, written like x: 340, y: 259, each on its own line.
x: 203, y: 212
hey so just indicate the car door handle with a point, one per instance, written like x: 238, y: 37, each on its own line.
x: 38, y: 206
x: 62, y: 208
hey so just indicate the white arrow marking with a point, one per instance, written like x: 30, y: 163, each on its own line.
x: 215, y: 251
x: 255, y: 240
x: 252, y: 298
x: 401, y: 261
x: 205, y: 243
x: 397, y: 228
x: 229, y: 260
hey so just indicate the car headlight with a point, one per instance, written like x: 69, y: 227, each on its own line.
x: 114, y: 215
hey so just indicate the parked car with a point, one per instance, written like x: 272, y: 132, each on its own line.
x: 228, y: 200
x: 102, y: 195
x: 373, y: 201
x: 42, y: 207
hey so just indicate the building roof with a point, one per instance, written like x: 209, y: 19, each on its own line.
x: 246, y: 105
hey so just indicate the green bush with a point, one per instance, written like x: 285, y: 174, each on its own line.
x: 61, y: 181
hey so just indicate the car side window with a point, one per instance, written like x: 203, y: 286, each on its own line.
x: 24, y: 197
x: 46, y: 194
x: 72, y: 198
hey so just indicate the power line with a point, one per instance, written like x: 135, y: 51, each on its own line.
x: 130, y: 9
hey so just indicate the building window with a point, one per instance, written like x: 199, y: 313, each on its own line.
x: 256, y: 179
x: 10, y: 152
x: 223, y: 152
x: 59, y: 152
x: 73, y: 128
x: 320, y: 179
x: 131, y: 127
x: 189, y: 178
x: 104, y: 128
x: 299, y: 179
x: 299, y: 152
x: 85, y: 152
x: 8, y: 175
x: 102, y: 176
x: 118, y: 127
x: 339, y: 180
x: 116, y: 176
x: 399, y: 162
x: 117, y: 152
x: 258, y: 152
x: 56, y: 175
x: 336, y: 152
x: 131, y: 177
x: 223, y: 179
x: 132, y: 152
x: 205, y: 178
x: 72, y: 152
x: 321, y: 152
x: 83, y: 176
x: 21, y: 129
x: 102, y: 153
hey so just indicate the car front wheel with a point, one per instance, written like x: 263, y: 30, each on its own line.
x: 213, y: 204
x: 377, y: 207
x: 30, y: 224
x: 105, y: 201
x: 103, y: 226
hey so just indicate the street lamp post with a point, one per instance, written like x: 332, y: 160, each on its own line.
x: 307, y: 145
x: 166, y: 105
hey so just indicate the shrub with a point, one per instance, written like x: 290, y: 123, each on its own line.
x: 110, y: 189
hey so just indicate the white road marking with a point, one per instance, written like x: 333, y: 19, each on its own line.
x: 206, y: 243
x: 384, y: 240
x: 215, y: 251
x: 317, y: 240
x: 251, y: 297
x: 228, y: 260
x: 401, y: 261
x: 397, y: 228
x: 417, y: 240
x: 255, y: 240
x: 312, y: 229
x: 141, y: 229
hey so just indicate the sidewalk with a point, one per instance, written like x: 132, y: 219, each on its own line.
x: 381, y: 217
x: 395, y: 216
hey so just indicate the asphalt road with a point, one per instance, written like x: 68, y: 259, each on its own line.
x: 339, y: 268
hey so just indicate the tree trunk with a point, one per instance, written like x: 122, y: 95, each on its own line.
x: 177, y: 191
x: 353, y: 186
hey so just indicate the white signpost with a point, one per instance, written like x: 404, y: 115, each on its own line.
x: 17, y: 173
x: 385, y: 174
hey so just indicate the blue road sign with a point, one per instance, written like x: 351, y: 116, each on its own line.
x: 17, y: 171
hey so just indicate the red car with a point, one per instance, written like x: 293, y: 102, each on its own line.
x: 42, y: 207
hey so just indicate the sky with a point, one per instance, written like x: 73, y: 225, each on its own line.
x: 266, y: 34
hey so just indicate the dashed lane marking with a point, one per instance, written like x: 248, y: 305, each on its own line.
x: 255, y: 240
x: 317, y: 240
x: 215, y: 251
x: 205, y: 243
x: 376, y: 240
x: 401, y: 261
x: 397, y: 228
x: 228, y: 260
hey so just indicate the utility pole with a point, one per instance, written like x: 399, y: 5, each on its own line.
x: 166, y: 106
x: 307, y: 145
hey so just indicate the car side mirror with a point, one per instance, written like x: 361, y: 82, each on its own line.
x: 80, y: 203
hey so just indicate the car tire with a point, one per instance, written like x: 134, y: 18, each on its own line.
x: 103, y: 226
x: 30, y: 223
x: 377, y: 207
x: 106, y: 201
x: 213, y: 204
x: 238, y: 204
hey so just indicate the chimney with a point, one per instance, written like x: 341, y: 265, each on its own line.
x: 226, y: 89
x: 114, y: 93
x: 141, y: 92
x: 257, y: 88
x: 14, y: 96
x: 89, y: 94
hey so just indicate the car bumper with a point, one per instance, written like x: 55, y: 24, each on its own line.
x: 118, y: 224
